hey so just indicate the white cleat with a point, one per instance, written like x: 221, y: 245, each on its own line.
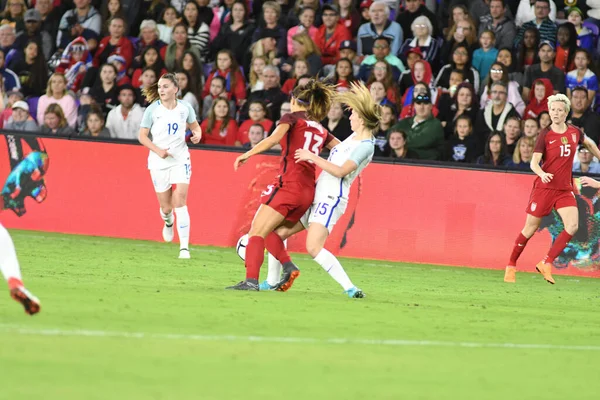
x: 168, y: 233
x: 184, y: 253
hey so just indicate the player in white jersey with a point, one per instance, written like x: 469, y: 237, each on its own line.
x: 346, y: 161
x: 167, y: 119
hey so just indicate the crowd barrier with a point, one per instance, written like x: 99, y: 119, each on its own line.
x: 410, y: 213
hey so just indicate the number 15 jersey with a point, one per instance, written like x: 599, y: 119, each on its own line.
x: 558, y: 150
x: 302, y: 134
x: 168, y: 129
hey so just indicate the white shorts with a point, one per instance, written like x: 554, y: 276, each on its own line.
x: 164, y: 178
x: 326, y: 212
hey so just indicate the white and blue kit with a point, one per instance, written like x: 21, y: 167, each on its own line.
x: 168, y: 128
x: 331, y: 193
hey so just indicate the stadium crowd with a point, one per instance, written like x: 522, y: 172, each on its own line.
x: 462, y: 81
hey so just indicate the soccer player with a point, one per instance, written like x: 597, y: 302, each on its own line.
x: 167, y: 119
x: 286, y: 200
x: 345, y: 163
x: 9, y: 265
x: 553, y: 187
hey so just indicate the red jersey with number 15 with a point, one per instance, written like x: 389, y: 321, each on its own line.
x: 558, y: 150
x: 302, y: 134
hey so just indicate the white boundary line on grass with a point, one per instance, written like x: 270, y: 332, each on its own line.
x: 273, y: 339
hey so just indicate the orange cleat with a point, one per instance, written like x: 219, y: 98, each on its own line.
x: 29, y: 301
x: 545, y: 269
x: 510, y: 274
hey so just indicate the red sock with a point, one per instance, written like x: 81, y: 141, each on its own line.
x: 517, y: 250
x: 255, y: 255
x: 558, y: 246
x: 13, y: 283
x: 275, y: 246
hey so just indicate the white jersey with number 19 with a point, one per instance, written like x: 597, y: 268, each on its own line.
x: 168, y: 129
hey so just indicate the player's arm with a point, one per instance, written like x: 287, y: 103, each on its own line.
x: 335, y: 170
x: 592, y: 147
x: 145, y: 140
x: 535, y: 167
x: 196, y: 130
x: 264, y: 145
x: 333, y: 142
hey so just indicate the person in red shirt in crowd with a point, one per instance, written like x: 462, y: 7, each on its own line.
x: 219, y: 128
x: 300, y: 68
x: 538, y: 98
x: 287, y: 199
x: 349, y: 15
x: 115, y: 43
x: 258, y: 115
x: 150, y: 59
x: 553, y: 187
x: 227, y: 67
x: 74, y: 63
x: 330, y: 35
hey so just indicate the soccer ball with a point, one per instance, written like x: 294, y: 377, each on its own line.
x: 241, y: 247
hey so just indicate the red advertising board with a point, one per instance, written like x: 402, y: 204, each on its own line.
x: 396, y: 212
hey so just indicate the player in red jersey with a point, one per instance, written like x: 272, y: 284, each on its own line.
x: 553, y: 188
x: 287, y: 199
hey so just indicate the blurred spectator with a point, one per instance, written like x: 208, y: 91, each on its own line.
x: 379, y: 26
x: 377, y: 90
x: 382, y: 72
x: 32, y: 70
x: 348, y: 51
x: 148, y: 38
x: 152, y: 10
x: 74, y: 63
x: 198, y: 32
x: 306, y: 24
x: 150, y: 58
x: 300, y: 68
x: 219, y: 128
x: 217, y: 91
x: 496, y: 21
x: 7, y: 43
x: 413, y: 10
x: 528, y: 49
x: 396, y: 146
x: 583, y: 76
x: 227, y: 67
x: 294, y: 13
x: 407, y: 103
x: 505, y: 56
x: 20, y: 118
x: 585, y: 37
x: 406, y: 79
x: 457, y: 12
x: 566, y: 47
x: 235, y: 34
x: 538, y: 98
x: 110, y: 9
x: 188, y: 92
x: 542, y: 22
x: 522, y: 153
x: 389, y: 117
x: 337, y: 123
x: 512, y: 132
x: 528, y: 10
x: 544, y: 120
x: 84, y: 20
x: 267, y: 47
x: 271, y: 95
x: 191, y: 65
x: 330, y: 35
x: 256, y: 133
x: 495, y: 151
x: 56, y: 92
x: 55, y: 122
x: 166, y: 24
x: 104, y: 92
x: 349, y: 15
x: 115, y: 43
x: 465, y: 34
x: 581, y: 114
x: 461, y: 61
x: 464, y: 102
x: 531, y: 128
x: 493, y: 116
x: 94, y: 124
x: 499, y: 73
x: 9, y: 78
x: 148, y: 79
x: 486, y: 54
x: 13, y: 96
x: 258, y: 115
x: 33, y: 31
x: 178, y: 47
x: 461, y: 146
x: 124, y: 120
x: 211, y: 16
x: 545, y: 69
x: 50, y: 16
x: 343, y: 75
x: 304, y: 48
x: 271, y: 12
x: 119, y: 62
x: 381, y: 52
x: 422, y: 39
x: 585, y: 163
x: 13, y: 14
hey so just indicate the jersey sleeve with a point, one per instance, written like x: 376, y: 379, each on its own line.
x: 147, y: 118
x: 191, y: 113
x: 362, y: 152
x: 540, y: 144
x: 289, y: 119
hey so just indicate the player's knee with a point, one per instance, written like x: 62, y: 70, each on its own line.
x: 313, y: 248
x: 166, y: 210
x: 572, y: 227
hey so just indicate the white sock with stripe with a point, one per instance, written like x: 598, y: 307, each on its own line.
x: 183, y: 226
x: 332, y: 266
x: 168, y: 218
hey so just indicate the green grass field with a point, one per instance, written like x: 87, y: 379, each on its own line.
x: 126, y: 319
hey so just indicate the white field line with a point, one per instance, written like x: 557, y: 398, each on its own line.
x: 12, y: 329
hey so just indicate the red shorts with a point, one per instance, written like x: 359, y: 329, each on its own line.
x: 542, y: 201
x: 291, y: 200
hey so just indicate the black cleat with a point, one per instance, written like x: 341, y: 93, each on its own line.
x: 244, y: 285
x: 289, y: 275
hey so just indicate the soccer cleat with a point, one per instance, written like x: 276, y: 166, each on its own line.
x: 29, y: 301
x: 354, y: 293
x: 510, y: 274
x: 288, y: 279
x: 244, y: 285
x: 168, y: 233
x: 545, y: 269
x: 264, y: 286
x: 184, y: 253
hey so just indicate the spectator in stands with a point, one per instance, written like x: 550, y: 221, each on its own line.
x: 414, y: 9
x: 495, y: 151
x: 148, y: 79
x: 541, y: 22
x: 407, y: 106
x: 382, y: 72
x: 267, y: 47
x: 179, y: 45
x: 221, y: 15
x: 499, y: 73
x: 381, y: 52
x: 585, y: 37
x: 528, y: 49
x: 148, y: 38
x: 377, y: 90
x: 256, y: 133
x: 76, y: 21
x: 300, y: 68
x: 531, y: 128
x: 422, y: 38
x: 227, y: 67
x: 544, y: 120
x: 425, y: 133
x: 7, y: 43
x: 115, y: 43
x: 461, y: 146
x: 458, y: 12
x: 585, y: 163
x: 110, y: 9
x: 55, y: 122
x: 464, y: 102
x: 219, y: 128
x: 124, y: 120
x: 389, y: 117
x: 522, y: 154
x: 271, y: 13
x: 258, y: 115
x: 496, y: 21
x: 538, y: 98
x: 396, y: 146
x: 94, y: 124
x: 294, y: 13
x: 486, y: 54
x: 193, y: 67
x: 20, y: 118
x: 583, y: 76
x: 56, y: 92
x: 235, y: 34
x: 217, y: 91
x: 465, y: 34
x: 495, y: 113
x: 32, y: 70
x: 349, y: 15
x: 545, y: 69
x: 406, y: 79
x: 348, y: 51
x: 257, y: 66
x: 337, y: 123
x: 104, y: 92
x: 343, y: 75
x: 150, y: 58
x: 505, y: 57
x: 380, y: 25
x: 119, y: 62
x: 305, y: 24
x: 74, y: 63
x: 582, y: 115
x: 512, y: 132
x: 187, y: 92
x: 460, y: 61
x: 13, y: 14
x: 365, y: 15
x: 166, y: 24
x: 566, y: 47
x: 50, y: 16
x: 198, y: 32
x: 12, y: 96
x: 9, y: 78
x: 528, y: 11
x: 304, y: 48
x: 271, y: 95
x: 33, y: 31
x: 153, y: 9
x: 330, y: 35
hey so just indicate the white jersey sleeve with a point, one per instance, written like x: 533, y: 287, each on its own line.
x: 363, y: 153
x: 147, y: 118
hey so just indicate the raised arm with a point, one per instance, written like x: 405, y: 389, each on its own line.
x: 264, y: 145
x: 335, y: 170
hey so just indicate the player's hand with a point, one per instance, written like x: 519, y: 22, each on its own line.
x: 546, y: 177
x: 196, y: 137
x: 240, y: 161
x: 162, y: 153
x: 586, y: 181
x: 303, y: 155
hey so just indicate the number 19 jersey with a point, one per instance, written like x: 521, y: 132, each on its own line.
x: 168, y: 129
x: 558, y: 150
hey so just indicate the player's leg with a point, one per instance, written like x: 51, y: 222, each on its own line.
x: 532, y: 223
x: 160, y: 180
x: 274, y: 242
x: 9, y: 265
x: 265, y: 221
x: 183, y: 218
x: 570, y: 219
x: 279, y: 242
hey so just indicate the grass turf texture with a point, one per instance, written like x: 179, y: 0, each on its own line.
x: 121, y: 286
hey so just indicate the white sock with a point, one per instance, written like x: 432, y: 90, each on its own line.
x: 168, y: 218
x: 333, y: 267
x: 8, y: 257
x: 183, y: 226
x: 274, y: 271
